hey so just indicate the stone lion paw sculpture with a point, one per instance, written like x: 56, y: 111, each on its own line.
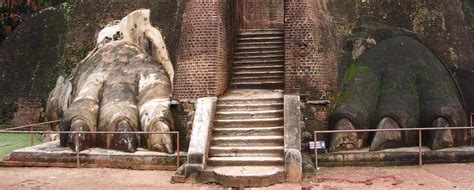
x: 123, y: 85
x: 396, y: 83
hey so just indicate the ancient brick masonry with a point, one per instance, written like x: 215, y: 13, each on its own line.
x: 205, y: 49
x: 26, y: 60
x: 257, y: 14
x: 311, y: 56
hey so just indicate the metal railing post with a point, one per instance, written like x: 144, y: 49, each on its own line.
x: 316, y: 150
x: 420, y: 162
x: 177, y: 151
x: 470, y: 116
x: 31, y: 136
x: 78, y: 146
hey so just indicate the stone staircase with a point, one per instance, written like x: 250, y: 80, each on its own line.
x: 247, y: 144
x: 259, y: 59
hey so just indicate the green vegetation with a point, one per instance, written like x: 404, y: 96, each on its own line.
x: 67, y: 8
x: 10, y: 142
x: 67, y: 63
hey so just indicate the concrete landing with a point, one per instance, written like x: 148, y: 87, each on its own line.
x: 244, y: 176
x: 50, y: 154
x: 396, y: 157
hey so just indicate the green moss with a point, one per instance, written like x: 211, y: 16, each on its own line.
x: 353, y: 70
x: 66, y: 65
x: 67, y: 9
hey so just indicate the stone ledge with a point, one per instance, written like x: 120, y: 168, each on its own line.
x: 396, y: 157
x: 200, y: 136
x: 50, y: 154
x: 243, y: 176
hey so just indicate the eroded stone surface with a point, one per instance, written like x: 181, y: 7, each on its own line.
x: 52, y: 152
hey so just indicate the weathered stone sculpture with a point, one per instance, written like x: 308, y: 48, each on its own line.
x: 396, y: 82
x: 123, y: 85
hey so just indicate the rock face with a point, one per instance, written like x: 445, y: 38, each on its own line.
x: 398, y: 83
x: 119, y: 87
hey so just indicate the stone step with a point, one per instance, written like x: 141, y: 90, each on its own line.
x: 260, y: 53
x: 259, y: 122
x: 258, y: 83
x: 265, y: 61
x: 259, y: 67
x: 250, y: 43
x: 259, y: 86
x: 249, y: 114
x: 261, y: 33
x: 259, y: 48
x: 256, y: 73
x: 261, y: 29
x: 246, y: 161
x: 243, y: 176
x: 279, y: 56
x: 276, y: 140
x: 240, y: 78
x: 261, y: 39
x: 257, y: 79
x: 249, y: 107
x: 268, y: 84
x: 256, y: 151
x: 253, y: 131
x: 250, y: 100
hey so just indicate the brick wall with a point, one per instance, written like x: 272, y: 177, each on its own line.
x: 90, y: 16
x: 311, y: 57
x: 205, y: 49
x: 262, y: 14
x: 27, y: 58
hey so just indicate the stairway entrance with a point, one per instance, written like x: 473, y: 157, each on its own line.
x: 247, y: 143
x: 247, y: 140
x: 259, y: 59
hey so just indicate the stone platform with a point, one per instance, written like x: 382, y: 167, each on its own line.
x: 243, y: 176
x: 50, y: 154
x: 396, y: 157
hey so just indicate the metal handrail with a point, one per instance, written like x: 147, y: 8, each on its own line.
x: 30, y: 125
x: 420, y: 137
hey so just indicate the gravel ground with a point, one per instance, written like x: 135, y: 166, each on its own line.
x: 448, y: 176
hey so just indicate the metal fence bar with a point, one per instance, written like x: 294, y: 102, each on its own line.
x: 85, y: 132
x: 400, y: 129
x: 420, y: 136
x: 30, y: 125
